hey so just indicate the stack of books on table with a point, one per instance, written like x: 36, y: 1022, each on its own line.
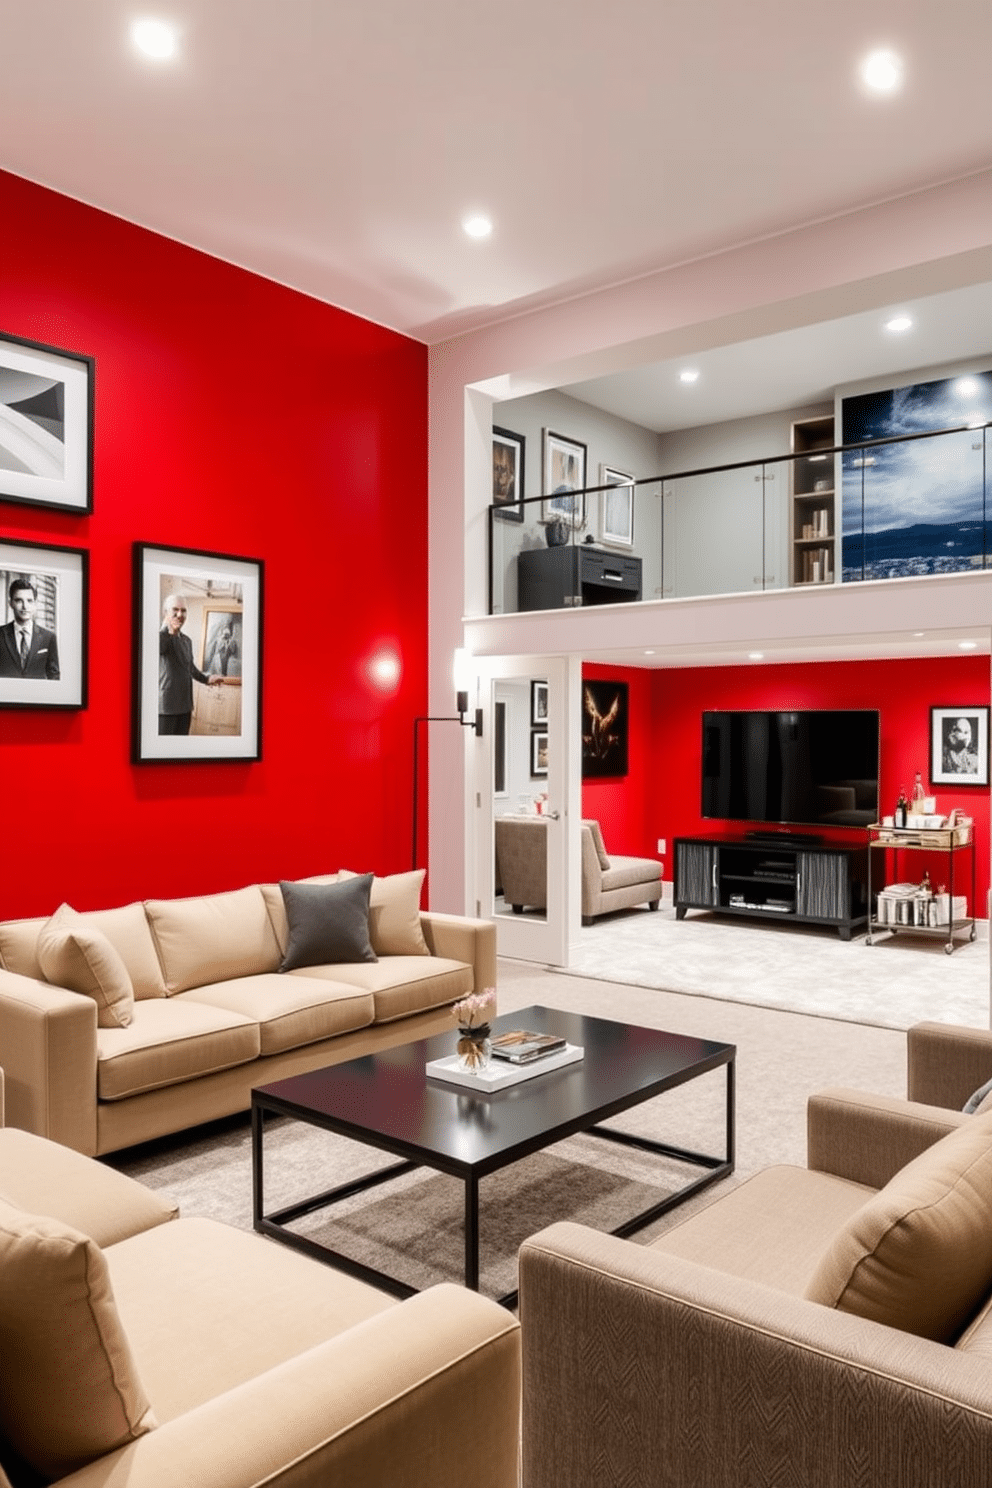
x: 521, y: 1046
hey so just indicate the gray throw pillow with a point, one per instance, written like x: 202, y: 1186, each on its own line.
x: 328, y: 923
x: 973, y: 1102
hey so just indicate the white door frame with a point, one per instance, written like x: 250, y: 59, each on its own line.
x: 524, y: 937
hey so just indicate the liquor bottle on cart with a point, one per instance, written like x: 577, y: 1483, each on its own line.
x: 917, y: 801
x: 901, y: 811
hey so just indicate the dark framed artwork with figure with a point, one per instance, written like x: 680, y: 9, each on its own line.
x: 44, y: 600
x: 197, y: 656
x: 959, y: 745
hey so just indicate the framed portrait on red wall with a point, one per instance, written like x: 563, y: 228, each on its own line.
x: 197, y: 656
x: 43, y: 625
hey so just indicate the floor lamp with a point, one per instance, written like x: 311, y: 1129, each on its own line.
x: 461, y: 703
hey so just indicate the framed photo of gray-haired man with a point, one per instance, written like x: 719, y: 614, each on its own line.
x: 197, y: 656
x: 43, y: 605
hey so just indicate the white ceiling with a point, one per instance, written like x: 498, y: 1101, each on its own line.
x: 335, y: 146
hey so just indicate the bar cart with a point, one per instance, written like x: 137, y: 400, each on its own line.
x: 952, y: 841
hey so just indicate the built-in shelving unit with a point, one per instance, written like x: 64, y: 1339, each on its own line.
x: 813, y: 505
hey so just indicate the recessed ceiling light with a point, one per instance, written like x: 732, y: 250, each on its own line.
x: 967, y: 645
x: 156, y: 39
x: 477, y: 226
x: 689, y: 374
x: 898, y: 323
x: 966, y: 387
x: 881, y: 71
x: 756, y: 656
x: 918, y: 634
x: 649, y: 653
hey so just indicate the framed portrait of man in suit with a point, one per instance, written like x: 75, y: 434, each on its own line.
x: 44, y: 595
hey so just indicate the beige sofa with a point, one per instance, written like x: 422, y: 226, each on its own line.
x: 828, y: 1326
x: 609, y: 882
x: 211, y: 1016
x: 142, y: 1349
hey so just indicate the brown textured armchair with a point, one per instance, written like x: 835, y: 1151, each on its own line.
x: 608, y: 883
x: 793, y: 1332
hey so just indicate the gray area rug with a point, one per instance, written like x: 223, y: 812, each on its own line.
x: 412, y: 1228
x: 893, y: 983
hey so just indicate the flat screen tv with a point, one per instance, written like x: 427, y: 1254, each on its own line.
x: 807, y: 767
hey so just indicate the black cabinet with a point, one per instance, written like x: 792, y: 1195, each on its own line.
x: 787, y: 878
x: 553, y: 578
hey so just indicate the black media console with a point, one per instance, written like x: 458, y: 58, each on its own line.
x: 781, y: 877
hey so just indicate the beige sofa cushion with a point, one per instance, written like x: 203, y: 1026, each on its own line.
x: 80, y: 958
x: 401, y: 985
x: 129, y: 933
x: 19, y: 947
x: 207, y: 1307
x: 171, y: 1040
x: 212, y: 938
x: 126, y: 928
x: 290, y: 1010
x: 71, y: 1391
x: 44, y: 1177
x: 918, y: 1255
x: 630, y: 872
x: 394, y: 913
x: 598, y: 843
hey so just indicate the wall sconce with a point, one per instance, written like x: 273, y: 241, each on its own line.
x: 461, y: 680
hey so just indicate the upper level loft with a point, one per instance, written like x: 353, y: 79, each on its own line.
x: 855, y: 498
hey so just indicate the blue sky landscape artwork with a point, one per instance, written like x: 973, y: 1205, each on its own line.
x: 919, y: 507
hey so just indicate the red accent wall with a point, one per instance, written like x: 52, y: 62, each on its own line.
x: 238, y: 416
x: 660, y: 796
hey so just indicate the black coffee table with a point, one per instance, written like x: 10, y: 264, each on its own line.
x: 386, y: 1101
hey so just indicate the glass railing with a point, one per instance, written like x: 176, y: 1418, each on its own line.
x: 881, y: 509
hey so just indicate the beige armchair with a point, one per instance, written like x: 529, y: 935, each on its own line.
x: 608, y: 883
x: 829, y: 1326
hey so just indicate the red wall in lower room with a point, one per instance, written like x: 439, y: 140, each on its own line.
x: 624, y: 806
x: 660, y: 795
x: 237, y: 416
x: 902, y: 691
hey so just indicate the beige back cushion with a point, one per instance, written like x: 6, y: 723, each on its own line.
x: 75, y: 955
x: 394, y: 914
x: 213, y: 938
x: 276, y: 906
x: 126, y: 929
x: 19, y: 947
x: 597, y: 838
x: 918, y: 1255
x: 71, y: 1392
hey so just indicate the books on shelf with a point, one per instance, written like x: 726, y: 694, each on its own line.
x: 521, y: 1045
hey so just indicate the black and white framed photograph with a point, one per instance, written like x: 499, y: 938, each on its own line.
x: 539, y: 704
x: 197, y: 656
x: 44, y: 600
x: 538, y: 753
x: 959, y: 745
x: 46, y: 425
x: 604, y: 729
x: 564, y: 479
x: 508, y: 474
x: 616, y: 508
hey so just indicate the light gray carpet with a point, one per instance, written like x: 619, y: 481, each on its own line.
x: 413, y: 1228
x: 898, y: 981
